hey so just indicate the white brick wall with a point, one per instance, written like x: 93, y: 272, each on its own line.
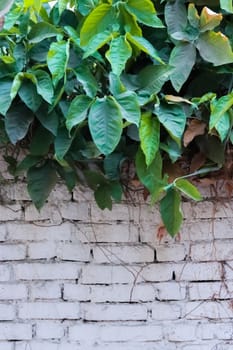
x: 73, y: 277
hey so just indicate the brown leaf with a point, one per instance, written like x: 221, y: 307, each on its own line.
x: 177, y: 99
x: 196, y: 127
x: 197, y: 162
x: 161, y: 232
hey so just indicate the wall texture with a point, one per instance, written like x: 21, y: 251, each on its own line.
x: 76, y: 278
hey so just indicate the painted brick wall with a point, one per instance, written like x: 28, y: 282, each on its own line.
x: 73, y: 277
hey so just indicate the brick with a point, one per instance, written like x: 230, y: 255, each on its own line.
x: 11, y: 212
x: 215, y: 331
x: 118, y: 213
x: 75, y: 211
x: 32, y: 232
x: 13, y: 291
x: 5, y: 273
x: 106, y: 312
x: 123, y: 254
x: 213, y: 290
x: 3, y: 232
x: 85, y: 333
x: 49, y: 345
x: 42, y: 250
x: 106, y: 232
x: 6, y: 345
x: 77, y: 292
x: 15, y: 331
x: 209, y: 310
x: 102, y: 274
x: 159, y: 272
x: 74, y: 252
x: 49, y: 330
x: 170, y: 290
x: 12, y: 252
x: 211, y: 271
x: 175, y: 252
x: 215, y: 251
x: 181, y: 332
x: 49, y: 310
x: 200, y: 210
x: 131, y: 333
x: 7, y: 312
x: 49, y: 212
x: 165, y: 311
x: 37, y: 271
x: 45, y: 290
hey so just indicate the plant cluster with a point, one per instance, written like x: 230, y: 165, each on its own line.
x: 109, y: 92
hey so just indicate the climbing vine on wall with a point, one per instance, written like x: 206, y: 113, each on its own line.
x: 110, y: 93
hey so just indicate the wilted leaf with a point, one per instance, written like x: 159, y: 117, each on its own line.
x: 195, y: 127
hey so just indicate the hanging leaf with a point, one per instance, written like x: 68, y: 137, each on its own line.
x: 149, y: 132
x: 218, y: 108
x: 182, y: 60
x: 103, y: 197
x: 38, y: 148
x: 118, y: 54
x: 5, y: 100
x: 62, y: 143
x: 215, y: 48
x: 188, y: 189
x: 87, y: 79
x: 41, y: 31
x: 78, y: 111
x: 96, y: 42
x: 151, y: 79
x: 57, y: 60
x: 29, y: 95
x: 144, y: 12
x: 170, y: 209
x: 129, y: 107
x: 223, y: 126
x: 209, y: 19
x: 41, y: 181
x: 176, y: 18
x: 105, y: 123
x: 44, y: 85
x: 173, y: 118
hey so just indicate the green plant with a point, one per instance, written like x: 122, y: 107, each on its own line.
x: 96, y: 89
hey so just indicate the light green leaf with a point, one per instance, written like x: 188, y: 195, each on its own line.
x: 57, y: 60
x: 44, y: 85
x: 173, y: 118
x: 226, y: 5
x: 223, y: 126
x: 100, y: 19
x: 77, y: 111
x: 182, y: 59
x: 5, y: 99
x: 149, y: 133
x: 87, y: 79
x: 170, y: 209
x: 62, y: 5
x: 129, y: 107
x: 105, y: 123
x: 209, y: 19
x: 96, y: 42
x: 116, y: 87
x: 41, y: 180
x: 144, y: 12
x: 17, y: 122
x: 118, y: 54
x: 219, y: 108
x: 41, y: 31
x: 151, y: 79
x: 215, y: 48
x: 188, y: 189
x: 144, y: 45
x: 16, y: 85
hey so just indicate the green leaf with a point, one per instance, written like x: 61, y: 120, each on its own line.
x: 219, y: 108
x: 62, y: 5
x: 69, y: 176
x: 105, y: 123
x: 152, y: 78
x: 62, y: 143
x: 150, y: 176
x: 226, y: 5
x: 118, y: 54
x: 170, y: 209
x: 182, y: 58
x: 38, y: 148
x: 87, y: 79
x: 41, y: 180
x: 16, y: 85
x: 193, y: 16
x: 28, y: 162
x: 173, y: 118
x: 5, y: 6
x: 188, y: 189
x: 17, y: 122
x: 86, y: 6
x: 149, y: 132
x: 129, y: 107
x: 144, y: 45
x: 112, y: 165
x: 97, y: 42
x: 41, y: 31
x: 215, y: 48
x: 5, y: 100
x: 29, y: 95
x: 176, y: 18
x: 49, y: 120
x: 223, y: 126
x: 44, y: 85
x: 116, y: 87
x: 144, y: 12
x: 78, y: 110
x: 103, y: 197
x: 57, y: 60
x: 100, y: 19
x: 209, y: 19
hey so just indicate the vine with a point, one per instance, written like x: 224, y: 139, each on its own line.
x: 109, y: 92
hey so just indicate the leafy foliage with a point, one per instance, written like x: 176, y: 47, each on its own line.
x: 94, y: 90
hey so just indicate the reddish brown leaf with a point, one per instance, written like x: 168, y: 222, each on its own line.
x: 161, y: 232
x: 195, y: 128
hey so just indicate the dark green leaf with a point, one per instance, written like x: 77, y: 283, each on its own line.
x: 87, y: 79
x: 129, y: 107
x: 77, y: 111
x: 103, y: 197
x: 62, y: 143
x: 170, y: 209
x: 152, y: 78
x: 38, y: 148
x: 41, y: 31
x: 49, y: 120
x: 28, y: 162
x: 5, y: 100
x: 44, y: 85
x: 29, y: 95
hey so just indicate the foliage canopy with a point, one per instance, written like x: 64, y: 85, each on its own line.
x: 104, y: 92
